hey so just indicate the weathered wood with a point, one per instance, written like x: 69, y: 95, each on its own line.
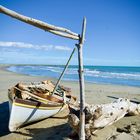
x: 35, y: 97
x: 63, y: 34
x: 65, y: 68
x: 100, y: 116
x: 81, y: 82
x: 45, y: 85
x: 40, y: 24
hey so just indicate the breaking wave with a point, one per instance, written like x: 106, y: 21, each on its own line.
x: 99, y: 74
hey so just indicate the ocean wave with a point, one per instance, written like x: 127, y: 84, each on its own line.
x: 95, y: 73
x: 74, y: 71
x: 91, y: 74
x: 69, y: 71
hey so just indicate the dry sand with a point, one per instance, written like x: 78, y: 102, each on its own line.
x: 56, y: 128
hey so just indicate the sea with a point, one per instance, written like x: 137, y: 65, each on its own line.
x: 118, y: 75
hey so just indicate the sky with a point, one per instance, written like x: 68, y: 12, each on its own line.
x: 112, y: 33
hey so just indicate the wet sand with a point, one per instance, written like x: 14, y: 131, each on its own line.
x: 56, y: 127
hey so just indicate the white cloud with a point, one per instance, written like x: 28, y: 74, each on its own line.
x: 33, y: 46
x: 63, y: 48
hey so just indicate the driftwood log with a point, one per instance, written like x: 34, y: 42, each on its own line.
x: 99, y: 116
x: 40, y: 24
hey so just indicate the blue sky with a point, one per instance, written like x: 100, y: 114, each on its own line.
x: 112, y: 36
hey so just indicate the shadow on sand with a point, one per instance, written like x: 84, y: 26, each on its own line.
x: 4, y: 118
x: 59, y: 132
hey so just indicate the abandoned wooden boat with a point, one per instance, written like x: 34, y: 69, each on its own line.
x: 33, y: 102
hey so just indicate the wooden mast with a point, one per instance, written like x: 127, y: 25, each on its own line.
x: 81, y: 81
x: 64, y: 33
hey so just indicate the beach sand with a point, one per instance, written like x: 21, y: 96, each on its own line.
x: 56, y: 127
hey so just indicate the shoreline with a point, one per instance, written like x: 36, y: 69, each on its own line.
x: 55, y: 79
x: 57, y: 127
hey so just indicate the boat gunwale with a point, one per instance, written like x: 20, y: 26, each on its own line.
x: 34, y: 104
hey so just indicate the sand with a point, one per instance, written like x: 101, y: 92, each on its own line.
x: 56, y: 127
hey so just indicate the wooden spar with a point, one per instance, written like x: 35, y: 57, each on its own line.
x: 66, y: 66
x: 63, y: 34
x: 81, y: 82
x: 40, y: 24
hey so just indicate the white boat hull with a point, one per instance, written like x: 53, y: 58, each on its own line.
x: 21, y: 114
x: 30, y: 102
